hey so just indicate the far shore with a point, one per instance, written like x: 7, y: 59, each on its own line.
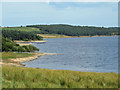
x: 97, y: 36
x: 45, y: 36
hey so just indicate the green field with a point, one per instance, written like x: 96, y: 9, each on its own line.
x: 21, y: 77
x: 29, y: 29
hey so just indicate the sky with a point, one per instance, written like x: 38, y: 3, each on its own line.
x: 60, y: 0
x: 103, y: 14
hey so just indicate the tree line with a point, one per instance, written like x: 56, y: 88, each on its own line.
x: 75, y: 30
x: 20, y: 35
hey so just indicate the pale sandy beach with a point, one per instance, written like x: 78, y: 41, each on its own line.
x: 18, y: 61
x: 19, y: 41
x: 45, y: 36
x: 23, y: 43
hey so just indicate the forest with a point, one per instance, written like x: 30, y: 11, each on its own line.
x: 70, y: 30
x: 20, y: 35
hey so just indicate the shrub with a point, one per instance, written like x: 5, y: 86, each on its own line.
x: 8, y: 45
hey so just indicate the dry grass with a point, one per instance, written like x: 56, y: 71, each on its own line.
x: 53, y: 36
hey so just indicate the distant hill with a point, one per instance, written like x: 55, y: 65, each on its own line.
x: 31, y: 32
x: 21, y: 33
x: 70, y: 30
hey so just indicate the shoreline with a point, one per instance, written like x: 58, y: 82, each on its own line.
x: 97, y: 36
x: 47, y: 37
x: 44, y: 41
x: 18, y: 61
x: 24, y: 43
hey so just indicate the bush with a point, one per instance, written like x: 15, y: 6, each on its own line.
x: 25, y: 40
x: 30, y: 48
x: 8, y: 45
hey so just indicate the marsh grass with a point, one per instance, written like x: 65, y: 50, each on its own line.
x: 21, y: 77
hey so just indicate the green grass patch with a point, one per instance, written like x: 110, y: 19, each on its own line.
x: 11, y: 55
x: 21, y: 77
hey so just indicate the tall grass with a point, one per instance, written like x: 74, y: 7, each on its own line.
x: 21, y: 77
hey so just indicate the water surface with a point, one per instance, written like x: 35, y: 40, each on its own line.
x: 94, y: 54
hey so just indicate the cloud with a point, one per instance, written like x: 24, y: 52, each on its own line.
x: 97, y: 14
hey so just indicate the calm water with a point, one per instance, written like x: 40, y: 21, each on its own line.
x: 96, y: 54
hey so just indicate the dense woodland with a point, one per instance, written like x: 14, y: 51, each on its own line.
x: 20, y: 35
x: 75, y: 30
x: 8, y: 45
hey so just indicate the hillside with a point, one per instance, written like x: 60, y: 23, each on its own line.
x: 75, y: 30
x: 31, y: 32
x: 21, y: 33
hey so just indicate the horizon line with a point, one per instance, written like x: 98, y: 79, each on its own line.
x: 58, y: 24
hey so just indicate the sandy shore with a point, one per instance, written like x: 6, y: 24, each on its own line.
x: 45, y: 36
x: 97, y: 36
x: 53, y: 36
x: 18, y: 41
x: 24, y: 43
x: 18, y: 61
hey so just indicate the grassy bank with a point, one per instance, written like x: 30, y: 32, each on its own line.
x: 10, y: 55
x: 21, y: 77
x: 6, y: 56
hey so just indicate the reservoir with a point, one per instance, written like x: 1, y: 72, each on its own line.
x: 92, y: 54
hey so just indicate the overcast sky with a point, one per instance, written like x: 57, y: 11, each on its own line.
x: 75, y: 13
